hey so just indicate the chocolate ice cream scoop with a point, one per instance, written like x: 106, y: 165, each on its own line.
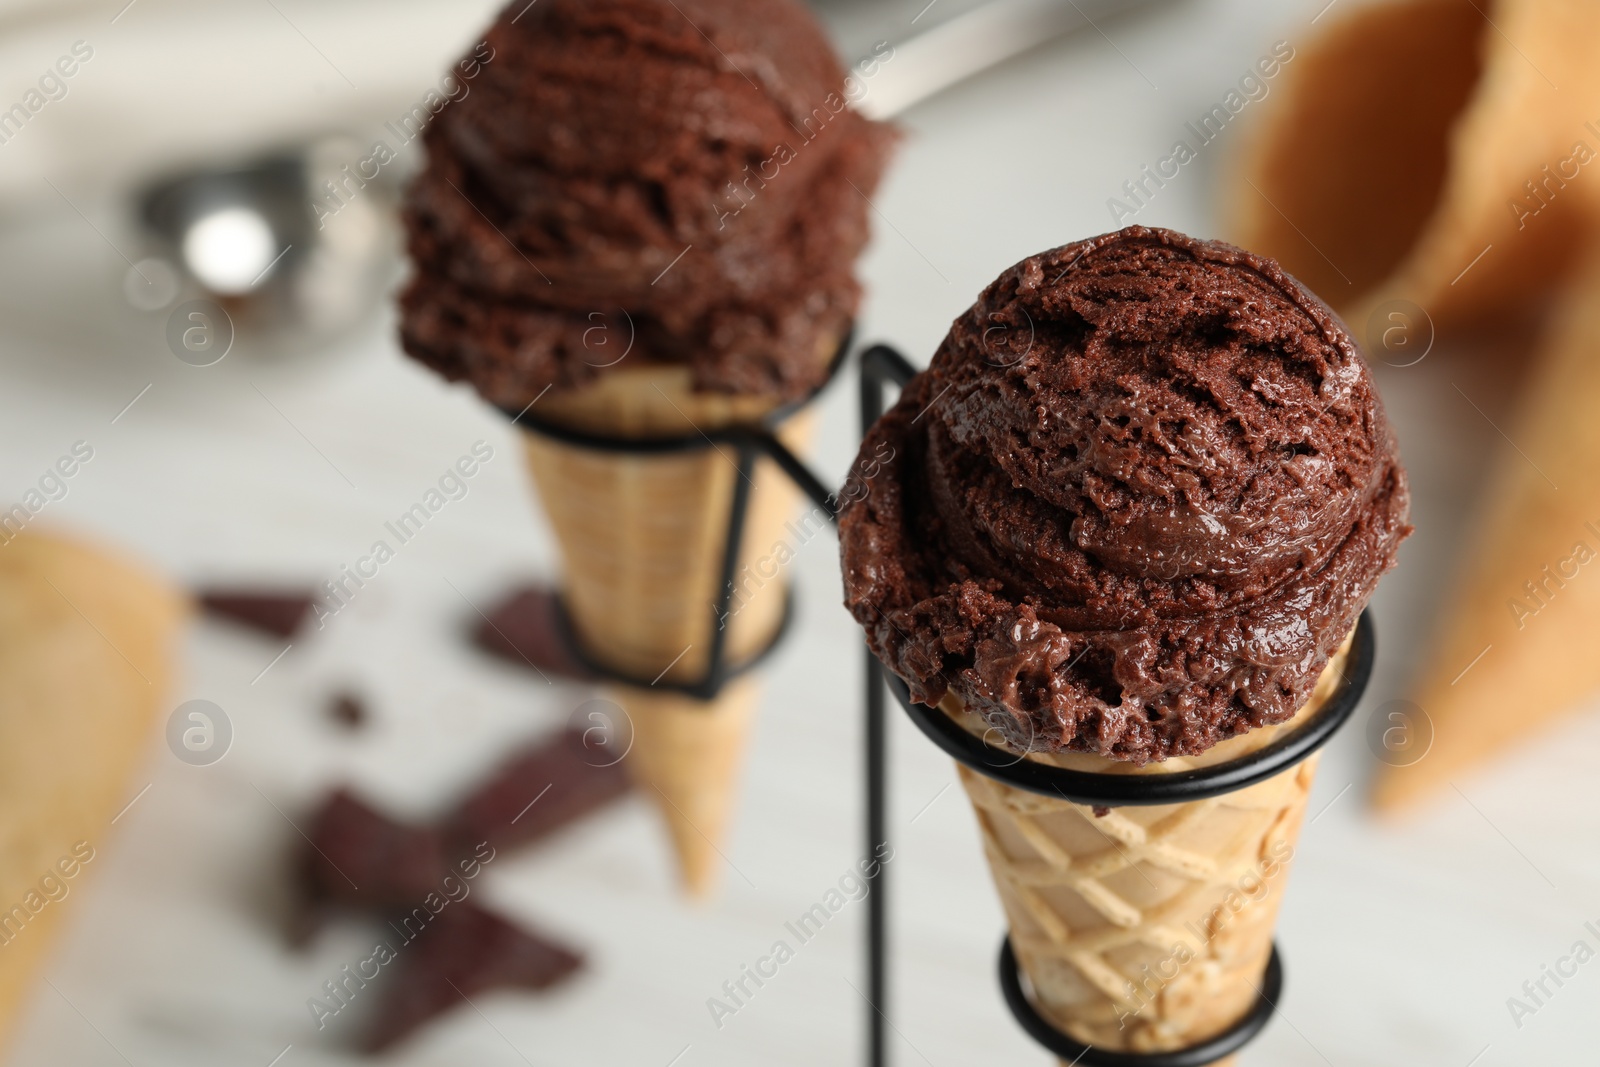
x: 1141, y: 495
x: 682, y: 181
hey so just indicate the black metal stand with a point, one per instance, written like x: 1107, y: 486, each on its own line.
x: 882, y: 366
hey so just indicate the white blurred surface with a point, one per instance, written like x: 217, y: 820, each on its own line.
x: 167, y: 82
x: 1402, y: 941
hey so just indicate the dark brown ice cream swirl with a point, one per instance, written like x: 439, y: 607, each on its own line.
x: 1141, y: 495
x: 679, y: 179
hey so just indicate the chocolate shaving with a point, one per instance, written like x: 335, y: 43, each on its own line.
x: 538, y: 792
x: 279, y: 614
x: 449, y: 949
x: 362, y: 858
x: 348, y: 711
x: 463, y: 951
x: 524, y: 628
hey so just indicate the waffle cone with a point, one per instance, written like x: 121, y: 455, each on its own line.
x: 1146, y: 929
x: 1519, y: 631
x: 85, y: 664
x: 643, y: 537
x: 1466, y: 201
x: 687, y: 755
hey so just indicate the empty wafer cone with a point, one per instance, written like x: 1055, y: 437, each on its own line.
x: 1420, y: 152
x: 86, y: 644
x: 1146, y: 929
x: 643, y: 537
x: 1517, y: 648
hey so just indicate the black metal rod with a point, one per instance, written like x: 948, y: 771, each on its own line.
x: 717, y: 672
x: 880, y: 365
x: 877, y: 804
x: 795, y: 468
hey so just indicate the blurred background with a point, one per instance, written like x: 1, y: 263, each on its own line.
x: 169, y: 177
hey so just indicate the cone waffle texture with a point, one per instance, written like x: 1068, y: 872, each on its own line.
x: 1471, y: 198
x: 643, y: 538
x: 85, y: 666
x: 1517, y: 648
x: 1146, y: 929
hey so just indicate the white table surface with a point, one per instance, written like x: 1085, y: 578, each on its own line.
x: 1402, y: 940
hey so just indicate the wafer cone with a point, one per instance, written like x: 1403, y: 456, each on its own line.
x: 1146, y: 929
x: 85, y: 662
x: 1416, y: 151
x: 1517, y: 649
x: 643, y: 538
x: 687, y: 754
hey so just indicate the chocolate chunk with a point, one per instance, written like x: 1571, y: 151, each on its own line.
x: 279, y: 614
x: 538, y: 792
x: 447, y: 948
x: 348, y: 711
x: 523, y: 628
x: 359, y: 857
x: 462, y: 951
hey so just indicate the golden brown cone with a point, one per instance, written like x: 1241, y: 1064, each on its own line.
x: 687, y: 755
x: 86, y: 648
x: 642, y: 538
x: 1146, y: 928
x: 1401, y: 139
x: 1517, y: 648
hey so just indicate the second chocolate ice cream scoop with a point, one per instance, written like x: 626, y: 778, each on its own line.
x: 683, y: 181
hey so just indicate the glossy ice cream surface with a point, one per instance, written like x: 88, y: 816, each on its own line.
x: 1143, y: 492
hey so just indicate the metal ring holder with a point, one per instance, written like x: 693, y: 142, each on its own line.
x: 882, y: 366
x: 1211, y: 1050
x: 1134, y: 790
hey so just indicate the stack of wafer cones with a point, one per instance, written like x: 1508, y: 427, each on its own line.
x: 1429, y: 151
x: 1438, y: 161
x: 1146, y: 929
x: 643, y: 537
x: 1518, y: 646
x: 86, y: 644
